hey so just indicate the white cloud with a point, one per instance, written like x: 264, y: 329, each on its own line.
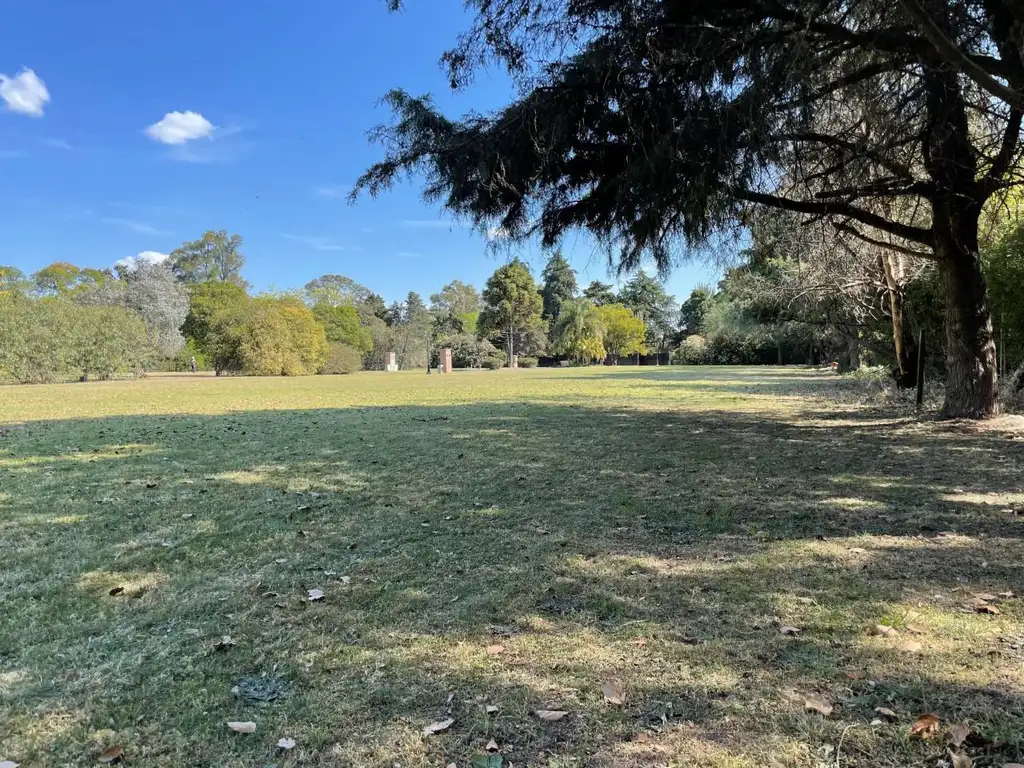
x: 141, y: 227
x: 24, y: 93
x: 179, y: 127
x: 317, y: 243
x: 145, y: 257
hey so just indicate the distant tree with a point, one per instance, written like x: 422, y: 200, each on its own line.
x: 413, y: 332
x: 624, y: 332
x: 558, y: 284
x: 373, y: 306
x: 691, y: 314
x: 599, y: 293
x: 206, y: 300
x: 13, y: 280
x: 152, y: 291
x: 578, y: 331
x: 649, y: 301
x: 336, y: 290
x: 341, y: 358
x: 456, y: 298
x: 268, y: 337
x: 341, y: 324
x: 512, y: 310
x: 57, y: 279
x: 215, y: 256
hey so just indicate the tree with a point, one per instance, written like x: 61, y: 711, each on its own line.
x: 624, y: 332
x: 57, y: 279
x: 456, y: 298
x: 341, y: 324
x: 512, y: 310
x: 161, y: 301
x: 599, y: 293
x: 411, y: 334
x: 578, y: 332
x: 651, y: 123
x: 558, y: 285
x: 215, y: 256
x: 691, y: 313
x: 647, y: 298
x: 335, y: 290
x: 268, y: 337
x: 13, y: 280
x: 207, y: 300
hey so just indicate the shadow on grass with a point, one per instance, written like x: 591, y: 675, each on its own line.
x: 662, y: 549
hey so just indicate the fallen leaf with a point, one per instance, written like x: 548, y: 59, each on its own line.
x: 286, y: 743
x: 976, y: 604
x: 494, y: 650
x: 224, y: 643
x: 639, y: 642
x: 491, y: 709
x: 876, y: 721
x: 1007, y: 594
x: 858, y: 550
x: 857, y: 674
x: 886, y: 712
x: 550, y: 715
x: 116, y: 591
x: 315, y: 594
x: 957, y: 734
x: 911, y: 646
x: 187, y: 516
x: 815, y: 703
x: 242, y: 727
x: 439, y: 727
x: 925, y: 726
x: 789, y: 631
x: 986, y: 596
x: 961, y: 760
x: 111, y: 755
x: 884, y: 630
x: 989, y: 609
x: 613, y: 693
x: 915, y: 630
x: 492, y: 746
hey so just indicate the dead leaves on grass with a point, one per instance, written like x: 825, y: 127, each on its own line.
x: 494, y: 650
x: 242, y: 726
x: 286, y: 744
x: 225, y: 643
x: 884, y: 630
x: 885, y: 712
x: 815, y: 703
x: 111, y: 755
x: 438, y: 727
x: 925, y: 727
x: 613, y: 692
x: 8, y: 764
x: 793, y: 631
x: 315, y: 595
x: 957, y: 734
x: 550, y: 715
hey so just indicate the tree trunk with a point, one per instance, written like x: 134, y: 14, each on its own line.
x: 971, y: 380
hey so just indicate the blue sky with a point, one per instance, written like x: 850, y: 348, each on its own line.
x: 266, y: 107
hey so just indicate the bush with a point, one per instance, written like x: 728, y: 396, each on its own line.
x: 467, y: 350
x: 527, y: 362
x: 492, y: 363
x: 728, y: 349
x: 693, y: 351
x: 342, y: 358
x: 268, y: 337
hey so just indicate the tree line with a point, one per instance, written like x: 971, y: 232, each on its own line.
x: 66, y: 322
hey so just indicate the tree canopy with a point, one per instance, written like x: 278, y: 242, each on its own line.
x: 512, y: 309
x: 558, y: 284
x: 214, y: 256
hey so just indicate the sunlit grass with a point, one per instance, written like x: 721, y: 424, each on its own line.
x: 653, y: 527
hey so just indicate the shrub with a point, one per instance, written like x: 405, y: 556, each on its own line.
x: 527, y: 362
x: 342, y: 358
x: 492, y: 363
x: 693, y: 351
x: 268, y: 337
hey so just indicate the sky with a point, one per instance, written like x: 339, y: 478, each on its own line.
x: 130, y: 127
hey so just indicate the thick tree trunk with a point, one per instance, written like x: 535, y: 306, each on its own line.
x: 972, y: 385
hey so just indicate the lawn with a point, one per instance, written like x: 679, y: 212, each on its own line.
x: 718, y: 551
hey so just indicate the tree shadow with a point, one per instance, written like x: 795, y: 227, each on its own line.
x: 664, y: 549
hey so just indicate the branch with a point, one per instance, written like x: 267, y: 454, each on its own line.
x: 1004, y: 159
x: 881, y: 188
x: 853, y: 231
x: 953, y: 55
x: 856, y: 149
x: 839, y: 208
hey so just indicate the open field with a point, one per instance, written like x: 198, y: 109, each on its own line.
x: 652, y: 527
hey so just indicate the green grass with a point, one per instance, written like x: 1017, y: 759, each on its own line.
x: 651, y: 526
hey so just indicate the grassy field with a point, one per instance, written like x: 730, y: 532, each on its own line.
x: 718, y: 546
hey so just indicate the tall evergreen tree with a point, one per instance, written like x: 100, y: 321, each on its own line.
x: 558, y: 285
x: 512, y: 310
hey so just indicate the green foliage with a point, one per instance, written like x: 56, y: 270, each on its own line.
x: 600, y: 293
x: 624, y: 332
x: 267, y: 337
x: 457, y: 298
x: 57, y: 340
x: 215, y: 256
x: 693, y: 311
x: 578, y: 331
x: 693, y: 351
x: 558, y: 285
x: 61, y: 278
x: 341, y: 324
x: 512, y: 310
x: 467, y: 350
x: 205, y: 301
x: 648, y: 300
x: 342, y: 358
x: 13, y: 280
x: 1004, y: 271
x: 335, y: 291
x: 527, y: 362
